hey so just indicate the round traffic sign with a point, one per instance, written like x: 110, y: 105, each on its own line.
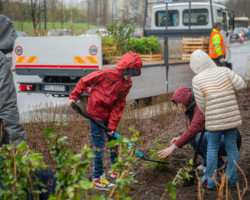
x: 93, y: 50
x: 18, y: 50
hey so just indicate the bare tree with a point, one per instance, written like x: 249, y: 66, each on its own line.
x: 34, y: 5
x: 6, y: 8
x: 62, y: 13
x: 53, y: 8
x: 1, y: 5
x: 240, y: 7
x: 104, y: 11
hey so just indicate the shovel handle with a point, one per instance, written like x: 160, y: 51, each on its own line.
x: 117, y: 136
x: 140, y: 155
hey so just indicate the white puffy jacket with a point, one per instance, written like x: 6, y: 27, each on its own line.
x: 214, y: 89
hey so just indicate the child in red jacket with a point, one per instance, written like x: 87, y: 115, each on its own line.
x: 106, y: 102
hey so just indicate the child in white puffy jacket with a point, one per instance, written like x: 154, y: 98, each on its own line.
x: 214, y: 90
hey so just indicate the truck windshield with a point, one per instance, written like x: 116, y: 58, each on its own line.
x: 199, y: 17
x: 173, y: 18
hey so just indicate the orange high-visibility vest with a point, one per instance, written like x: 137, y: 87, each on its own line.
x: 212, y: 52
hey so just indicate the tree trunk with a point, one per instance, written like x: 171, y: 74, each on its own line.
x: 34, y: 14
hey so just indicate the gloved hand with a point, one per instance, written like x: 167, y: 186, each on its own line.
x: 222, y: 60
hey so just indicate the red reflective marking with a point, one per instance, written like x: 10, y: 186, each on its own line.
x: 58, y: 66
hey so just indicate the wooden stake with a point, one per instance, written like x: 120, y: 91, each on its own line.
x: 238, y: 190
x: 60, y: 194
x: 246, y: 187
x: 14, y: 158
x: 226, y: 188
x: 113, y: 190
x: 119, y: 156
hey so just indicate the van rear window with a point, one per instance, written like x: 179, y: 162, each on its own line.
x: 199, y: 17
x: 173, y: 18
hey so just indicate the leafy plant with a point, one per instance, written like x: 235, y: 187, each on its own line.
x: 121, y: 33
x: 108, y: 41
x: 72, y: 182
x: 18, y: 172
x: 155, y: 156
x: 144, y: 45
x: 183, y: 173
x: 125, y: 164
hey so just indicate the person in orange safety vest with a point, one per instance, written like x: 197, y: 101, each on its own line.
x: 217, y: 47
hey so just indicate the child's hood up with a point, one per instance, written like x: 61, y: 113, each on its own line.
x: 182, y: 95
x: 7, y: 34
x: 130, y: 60
x: 200, y: 61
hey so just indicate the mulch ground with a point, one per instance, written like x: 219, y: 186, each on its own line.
x: 152, y: 184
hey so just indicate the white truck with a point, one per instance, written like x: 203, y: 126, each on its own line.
x: 185, y: 19
x: 58, y: 61
x: 62, y: 61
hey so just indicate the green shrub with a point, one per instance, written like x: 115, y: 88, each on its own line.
x: 18, y: 172
x: 72, y: 182
x: 124, y: 164
x: 155, y: 156
x: 144, y: 45
x: 121, y: 34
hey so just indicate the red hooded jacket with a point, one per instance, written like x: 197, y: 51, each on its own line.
x: 183, y: 95
x: 107, y: 97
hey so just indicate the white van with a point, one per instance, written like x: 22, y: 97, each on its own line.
x: 201, y: 16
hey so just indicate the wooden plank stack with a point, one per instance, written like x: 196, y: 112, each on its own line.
x: 108, y: 50
x: 150, y: 57
x: 144, y: 57
x: 189, y: 45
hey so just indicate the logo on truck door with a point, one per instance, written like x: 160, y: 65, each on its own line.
x: 18, y: 50
x: 93, y: 50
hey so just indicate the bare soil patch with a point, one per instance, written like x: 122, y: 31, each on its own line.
x: 151, y: 184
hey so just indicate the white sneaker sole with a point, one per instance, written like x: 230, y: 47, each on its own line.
x: 219, y: 169
x: 114, y: 176
x: 100, y: 188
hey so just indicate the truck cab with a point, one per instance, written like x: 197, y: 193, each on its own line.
x: 189, y: 19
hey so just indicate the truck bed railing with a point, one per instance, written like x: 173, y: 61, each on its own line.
x: 178, y: 33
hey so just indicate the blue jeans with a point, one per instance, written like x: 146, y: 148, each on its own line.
x: 213, y: 139
x: 98, y: 142
x: 202, y: 152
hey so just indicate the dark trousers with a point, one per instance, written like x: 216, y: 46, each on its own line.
x: 217, y: 62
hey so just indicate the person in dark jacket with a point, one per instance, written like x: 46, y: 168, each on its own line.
x: 184, y: 98
x: 106, y: 102
x: 9, y: 115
